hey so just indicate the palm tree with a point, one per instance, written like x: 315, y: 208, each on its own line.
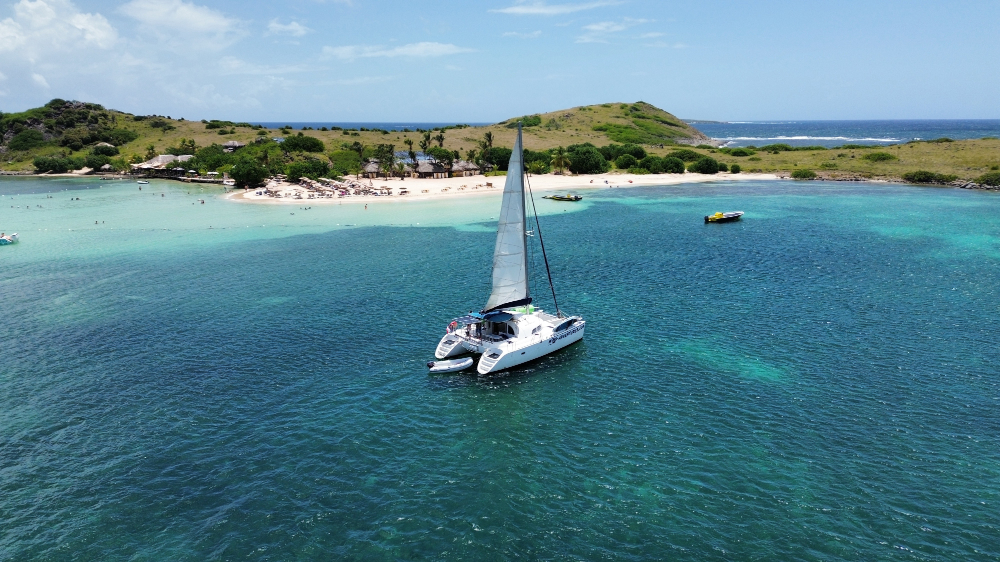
x: 559, y: 160
x: 425, y: 143
x: 440, y: 139
x: 470, y: 156
x: 360, y: 149
x: 488, y: 139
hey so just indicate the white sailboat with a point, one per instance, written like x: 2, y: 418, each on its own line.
x: 510, y: 331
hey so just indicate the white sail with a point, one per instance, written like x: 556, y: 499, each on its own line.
x: 510, y: 256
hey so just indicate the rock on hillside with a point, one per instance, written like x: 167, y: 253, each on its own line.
x: 71, y: 124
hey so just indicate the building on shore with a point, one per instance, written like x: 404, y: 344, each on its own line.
x: 159, y: 166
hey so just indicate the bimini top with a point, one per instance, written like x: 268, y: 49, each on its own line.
x: 497, y: 316
x: 469, y: 319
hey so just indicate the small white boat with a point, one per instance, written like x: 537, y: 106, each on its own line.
x: 229, y: 182
x: 142, y: 182
x: 450, y: 366
x: 5, y: 239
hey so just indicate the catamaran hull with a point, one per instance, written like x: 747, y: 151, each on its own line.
x: 515, y: 357
x: 450, y: 346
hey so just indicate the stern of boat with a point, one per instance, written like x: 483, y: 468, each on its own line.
x: 451, y: 345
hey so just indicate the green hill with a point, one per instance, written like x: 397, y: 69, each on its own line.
x: 69, y: 130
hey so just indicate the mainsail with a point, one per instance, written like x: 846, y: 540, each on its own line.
x: 510, y: 256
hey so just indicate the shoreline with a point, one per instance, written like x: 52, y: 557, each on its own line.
x: 435, y: 189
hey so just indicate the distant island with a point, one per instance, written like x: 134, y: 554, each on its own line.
x: 638, y: 138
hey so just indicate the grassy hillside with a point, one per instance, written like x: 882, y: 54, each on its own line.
x: 70, y: 129
x: 966, y: 160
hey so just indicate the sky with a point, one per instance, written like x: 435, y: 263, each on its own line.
x: 485, y: 61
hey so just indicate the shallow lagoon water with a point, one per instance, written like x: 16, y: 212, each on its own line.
x: 819, y: 381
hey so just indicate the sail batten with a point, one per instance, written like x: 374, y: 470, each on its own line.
x: 510, y: 255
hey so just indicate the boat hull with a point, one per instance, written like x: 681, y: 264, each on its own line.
x: 451, y: 345
x: 512, y: 356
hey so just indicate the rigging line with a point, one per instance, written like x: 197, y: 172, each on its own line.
x: 538, y: 228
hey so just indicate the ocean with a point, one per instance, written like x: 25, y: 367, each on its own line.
x: 222, y: 381
x: 837, y: 133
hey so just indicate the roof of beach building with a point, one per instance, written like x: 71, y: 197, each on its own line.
x: 462, y: 166
x: 162, y: 160
x: 428, y: 167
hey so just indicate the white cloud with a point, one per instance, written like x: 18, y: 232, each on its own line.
x: 41, y: 27
x: 600, y: 32
x: 40, y: 80
x: 540, y: 8
x: 184, y: 25
x: 532, y: 35
x: 423, y: 49
x: 295, y: 29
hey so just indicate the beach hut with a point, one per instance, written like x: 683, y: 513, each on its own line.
x: 464, y: 169
x: 428, y: 169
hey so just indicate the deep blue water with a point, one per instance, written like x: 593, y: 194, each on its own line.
x: 820, y: 381
x: 836, y: 133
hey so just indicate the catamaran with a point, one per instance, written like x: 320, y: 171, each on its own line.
x: 510, y: 331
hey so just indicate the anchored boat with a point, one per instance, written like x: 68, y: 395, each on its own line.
x: 724, y: 217
x: 8, y: 239
x: 509, y: 331
x: 566, y: 197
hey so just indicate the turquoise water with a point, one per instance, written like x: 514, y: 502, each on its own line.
x: 819, y: 381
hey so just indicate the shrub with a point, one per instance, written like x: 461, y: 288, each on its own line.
x: 803, y: 175
x: 704, y: 165
x: 302, y: 143
x: 705, y: 147
x: 923, y: 176
x: 117, y: 137
x: 879, y: 157
x: 105, y: 150
x: 95, y: 161
x: 942, y: 139
x: 526, y: 121
x: 345, y: 162
x: 586, y: 159
x: 723, y: 167
x: 652, y: 163
x: 685, y: 154
x: 626, y: 161
x: 499, y: 157
x: 781, y: 147
x: 26, y: 140
x: 741, y: 152
x: 248, y: 172
x: 735, y: 169
x: 673, y: 165
x: 612, y: 151
x: 310, y: 168
x: 989, y: 178
x: 638, y: 170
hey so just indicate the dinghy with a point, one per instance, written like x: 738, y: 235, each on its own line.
x: 450, y: 366
x: 5, y: 239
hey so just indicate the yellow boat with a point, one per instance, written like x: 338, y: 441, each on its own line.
x: 724, y: 217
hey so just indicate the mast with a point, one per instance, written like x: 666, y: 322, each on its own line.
x: 510, y: 255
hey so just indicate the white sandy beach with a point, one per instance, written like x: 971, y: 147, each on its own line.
x: 422, y: 189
